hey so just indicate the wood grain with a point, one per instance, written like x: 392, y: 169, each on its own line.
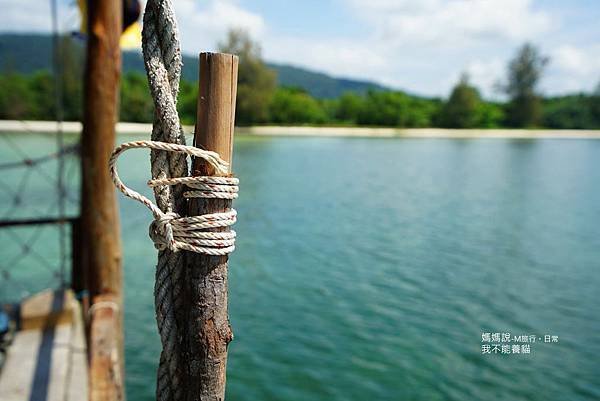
x: 209, y: 331
x: 100, y: 233
x: 106, y: 374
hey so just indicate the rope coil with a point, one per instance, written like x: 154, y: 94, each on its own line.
x: 171, y: 231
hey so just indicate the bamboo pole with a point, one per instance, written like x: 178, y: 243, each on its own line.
x: 100, y: 242
x: 208, y: 329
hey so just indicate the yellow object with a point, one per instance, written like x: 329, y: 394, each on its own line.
x: 132, y: 37
x: 83, y: 12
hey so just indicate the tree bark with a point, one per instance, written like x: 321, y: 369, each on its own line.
x: 208, y: 331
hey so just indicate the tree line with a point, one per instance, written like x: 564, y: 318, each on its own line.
x: 261, y: 101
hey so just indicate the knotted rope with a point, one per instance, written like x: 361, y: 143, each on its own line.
x: 171, y: 231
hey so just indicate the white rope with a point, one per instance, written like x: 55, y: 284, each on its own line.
x: 172, y: 231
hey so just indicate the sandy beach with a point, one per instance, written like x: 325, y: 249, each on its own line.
x: 73, y: 127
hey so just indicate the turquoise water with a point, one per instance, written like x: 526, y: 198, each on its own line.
x: 369, y: 269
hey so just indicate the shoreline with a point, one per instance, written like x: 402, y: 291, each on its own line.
x: 74, y: 127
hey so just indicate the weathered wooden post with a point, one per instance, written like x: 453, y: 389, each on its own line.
x: 99, y: 208
x: 100, y: 242
x: 208, y: 331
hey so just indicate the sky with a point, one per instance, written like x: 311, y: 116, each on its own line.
x: 421, y: 46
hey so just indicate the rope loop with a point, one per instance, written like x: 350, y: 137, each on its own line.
x: 171, y: 231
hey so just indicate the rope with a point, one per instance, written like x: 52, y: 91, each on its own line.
x: 162, y: 59
x: 171, y: 231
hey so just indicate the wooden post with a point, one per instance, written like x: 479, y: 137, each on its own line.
x: 106, y: 374
x: 100, y: 242
x: 208, y: 328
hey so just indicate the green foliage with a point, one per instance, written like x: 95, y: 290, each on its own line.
x: 41, y: 96
x: 330, y: 108
x: 136, y: 103
x: 71, y: 71
x: 465, y: 109
x: 524, y: 111
x: 348, y: 107
x: 32, y: 95
x: 422, y: 112
x: 384, y: 109
x: 187, y: 103
x: 594, y: 105
x: 461, y: 110
x: 490, y: 115
x: 256, y: 82
x: 524, y: 73
x: 16, y: 98
x: 575, y: 111
x: 295, y: 106
x: 388, y: 109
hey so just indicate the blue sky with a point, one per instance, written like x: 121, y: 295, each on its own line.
x: 419, y: 46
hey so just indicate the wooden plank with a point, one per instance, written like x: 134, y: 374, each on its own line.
x: 77, y: 380
x: 105, y: 376
x: 17, y: 374
x: 47, y: 363
x: 46, y: 309
x: 208, y: 329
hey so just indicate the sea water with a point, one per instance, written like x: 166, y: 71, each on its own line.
x: 392, y: 269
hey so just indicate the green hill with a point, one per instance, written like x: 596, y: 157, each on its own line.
x: 318, y: 84
x: 27, y: 53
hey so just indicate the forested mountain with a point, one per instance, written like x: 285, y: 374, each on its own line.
x: 302, y: 97
x: 26, y: 53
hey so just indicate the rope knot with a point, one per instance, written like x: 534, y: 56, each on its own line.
x: 208, y: 233
x: 161, y: 232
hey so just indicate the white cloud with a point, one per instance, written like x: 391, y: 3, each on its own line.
x: 34, y: 16
x: 486, y: 74
x: 454, y: 23
x: 573, y: 68
x: 577, y: 61
x: 203, y: 25
x: 422, y: 46
x: 338, y: 57
x: 25, y: 16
